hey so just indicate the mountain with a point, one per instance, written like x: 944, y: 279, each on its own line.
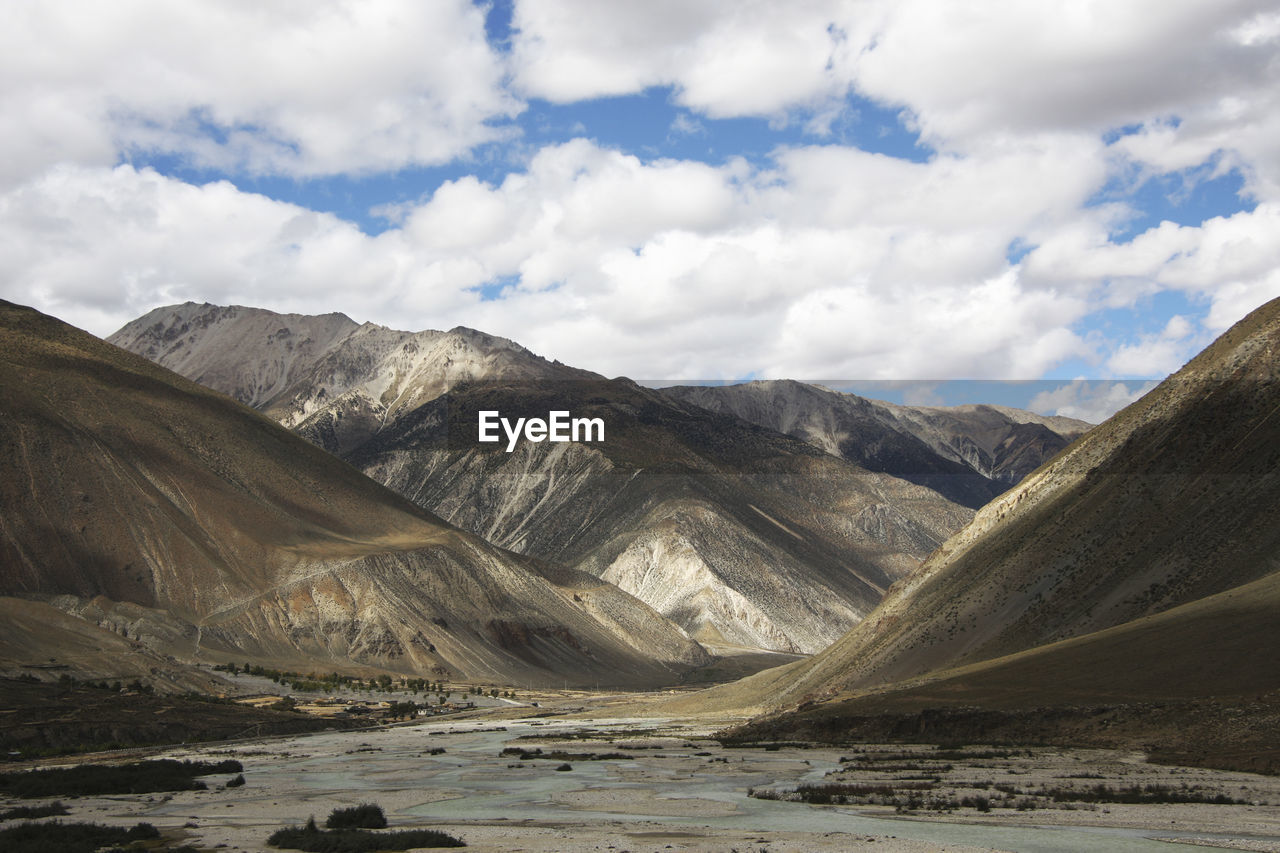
x: 166, y: 512
x: 336, y: 381
x: 742, y: 536
x: 1140, y: 565
x: 969, y: 453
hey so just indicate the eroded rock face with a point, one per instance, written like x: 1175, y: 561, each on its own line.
x: 333, y: 380
x: 791, y: 546
x: 740, y: 535
x: 172, y: 516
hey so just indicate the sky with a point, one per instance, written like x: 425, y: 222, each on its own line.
x: 1079, y: 192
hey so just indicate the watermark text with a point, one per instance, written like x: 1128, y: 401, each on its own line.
x: 557, y: 426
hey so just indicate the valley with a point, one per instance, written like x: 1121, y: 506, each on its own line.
x: 741, y: 529
x: 765, y: 617
x: 654, y: 784
x: 574, y: 427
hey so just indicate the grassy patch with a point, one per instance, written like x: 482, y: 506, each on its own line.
x: 1139, y: 794
x: 917, y: 796
x: 847, y: 793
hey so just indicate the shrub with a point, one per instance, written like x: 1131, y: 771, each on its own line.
x: 313, y: 840
x: 236, y: 782
x: 363, y: 816
x: 70, y: 837
x: 140, y: 777
x: 564, y: 767
x: 21, y: 812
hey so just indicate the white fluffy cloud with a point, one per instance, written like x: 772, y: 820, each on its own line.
x: 1232, y: 262
x: 302, y: 88
x: 824, y: 261
x: 744, y: 58
x: 93, y: 245
x: 1092, y: 402
x: 662, y: 269
x: 970, y: 72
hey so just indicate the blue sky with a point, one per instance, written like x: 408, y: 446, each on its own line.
x: 692, y: 190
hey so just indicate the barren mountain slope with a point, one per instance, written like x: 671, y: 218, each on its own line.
x: 246, y: 353
x: 1173, y: 500
x: 739, y: 534
x: 167, y: 511
x: 997, y: 442
x: 1196, y: 684
x: 968, y: 453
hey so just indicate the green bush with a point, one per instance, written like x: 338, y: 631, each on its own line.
x: 70, y: 837
x: 27, y: 812
x: 87, y: 780
x: 313, y: 840
x: 363, y: 816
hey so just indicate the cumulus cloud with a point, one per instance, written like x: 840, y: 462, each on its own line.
x: 95, y: 245
x: 298, y: 88
x: 1159, y: 354
x: 821, y: 260
x: 1232, y: 262
x: 725, y: 59
x: 654, y: 269
x: 1026, y: 67
x: 971, y: 73
x: 1088, y: 401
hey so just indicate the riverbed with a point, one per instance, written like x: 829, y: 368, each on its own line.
x: 647, y: 786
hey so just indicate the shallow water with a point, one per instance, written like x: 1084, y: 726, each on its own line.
x: 668, y: 786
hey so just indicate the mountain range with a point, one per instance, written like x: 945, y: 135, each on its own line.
x: 200, y: 530
x: 1119, y: 586
x: 744, y: 536
x: 969, y: 453
x: 1140, y: 566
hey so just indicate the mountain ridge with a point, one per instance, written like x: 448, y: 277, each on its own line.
x: 969, y: 453
x: 670, y: 480
x: 168, y: 511
x: 1121, y: 566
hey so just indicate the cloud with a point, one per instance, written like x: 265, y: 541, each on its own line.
x: 297, y: 88
x: 822, y: 260
x: 686, y: 125
x: 1031, y: 67
x: 1088, y: 401
x: 971, y: 73
x: 655, y: 269
x: 725, y: 59
x: 1231, y: 262
x: 1159, y: 354
x: 830, y: 262
x: 94, y: 246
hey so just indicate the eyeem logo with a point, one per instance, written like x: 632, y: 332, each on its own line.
x: 557, y: 427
